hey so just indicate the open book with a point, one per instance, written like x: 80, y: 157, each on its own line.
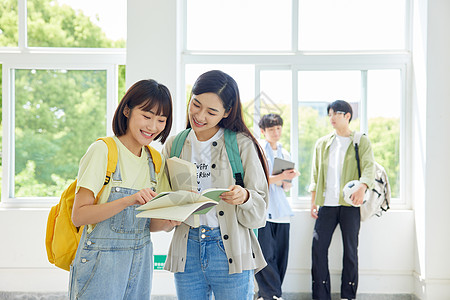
x: 179, y: 204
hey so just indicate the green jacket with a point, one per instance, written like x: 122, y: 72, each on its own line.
x: 349, y: 167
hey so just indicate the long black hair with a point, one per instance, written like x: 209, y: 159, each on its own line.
x: 224, y: 86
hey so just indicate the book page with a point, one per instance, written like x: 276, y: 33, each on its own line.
x: 177, y: 213
x: 214, y: 193
x: 182, y: 174
x: 170, y: 199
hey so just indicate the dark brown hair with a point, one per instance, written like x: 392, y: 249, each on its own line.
x: 270, y: 120
x: 224, y: 86
x: 145, y: 94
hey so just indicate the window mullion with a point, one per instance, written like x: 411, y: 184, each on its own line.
x: 294, y: 129
x: 112, y: 87
x: 294, y: 25
x: 22, y: 13
x: 363, y: 110
x: 8, y: 133
x: 257, y: 104
x: 408, y: 25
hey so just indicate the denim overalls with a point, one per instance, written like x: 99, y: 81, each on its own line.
x: 115, y: 260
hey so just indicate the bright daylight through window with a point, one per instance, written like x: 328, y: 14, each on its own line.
x: 290, y: 57
x: 50, y: 90
x: 304, y: 55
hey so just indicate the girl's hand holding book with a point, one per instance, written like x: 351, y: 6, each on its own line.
x: 236, y: 196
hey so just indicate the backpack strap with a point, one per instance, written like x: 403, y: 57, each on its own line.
x: 113, y: 156
x: 178, y: 143
x: 156, y: 158
x: 356, y: 140
x: 154, y: 162
x: 232, y: 151
x: 234, y: 156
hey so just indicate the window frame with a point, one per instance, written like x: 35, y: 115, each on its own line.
x: 296, y: 61
x: 42, y: 58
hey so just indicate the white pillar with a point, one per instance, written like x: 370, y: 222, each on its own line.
x: 154, y: 51
x: 431, y: 147
x: 437, y: 198
x: 154, y: 47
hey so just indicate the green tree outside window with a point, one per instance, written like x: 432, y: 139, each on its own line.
x: 58, y: 113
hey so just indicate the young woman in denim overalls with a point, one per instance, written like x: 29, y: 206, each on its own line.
x: 114, y: 256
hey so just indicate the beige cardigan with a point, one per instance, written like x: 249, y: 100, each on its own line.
x: 236, y: 221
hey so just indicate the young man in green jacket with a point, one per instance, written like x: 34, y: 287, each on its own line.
x: 334, y: 164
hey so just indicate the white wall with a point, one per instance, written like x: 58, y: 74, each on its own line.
x: 386, y: 256
x: 431, y: 142
x: 436, y: 249
x: 419, y: 137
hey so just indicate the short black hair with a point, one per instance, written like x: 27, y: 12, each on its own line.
x: 270, y: 120
x: 341, y: 105
x: 145, y: 94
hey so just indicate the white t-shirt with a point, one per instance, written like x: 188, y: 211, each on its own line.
x: 338, y: 148
x: 201, y: 157
x: 286, y: 156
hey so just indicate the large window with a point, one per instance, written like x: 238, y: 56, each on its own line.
x: 9, y: 23
x: 237, y: 25
x: 76, y: 23
x: 313, y: 99
x: 62, y: 59
x: 352, y: 25
x: 310, y: 54
x: 62, y: 75
x: 53, y: 111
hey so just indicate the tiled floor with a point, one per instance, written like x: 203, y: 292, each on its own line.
x: 288, y: 296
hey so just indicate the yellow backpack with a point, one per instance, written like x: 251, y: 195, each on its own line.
x: 62, y: 237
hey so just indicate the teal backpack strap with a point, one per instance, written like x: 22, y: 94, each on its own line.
x: 235, y: 160
x: 178, y: 143
x: 234, y: 157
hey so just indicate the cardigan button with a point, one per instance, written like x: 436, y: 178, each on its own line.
x: 221, y: 213
x: 230, y: 260
x: 214, y: 143
x: 213, y: 166
x: 225, y: 237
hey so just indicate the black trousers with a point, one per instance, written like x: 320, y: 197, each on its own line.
x: 349, y: 219
x: 274, y: 242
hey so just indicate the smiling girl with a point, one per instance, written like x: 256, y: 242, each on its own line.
x: 220, y: 256
x: 114, y: 256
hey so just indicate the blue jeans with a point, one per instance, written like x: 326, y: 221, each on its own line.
x: 206, y: 270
